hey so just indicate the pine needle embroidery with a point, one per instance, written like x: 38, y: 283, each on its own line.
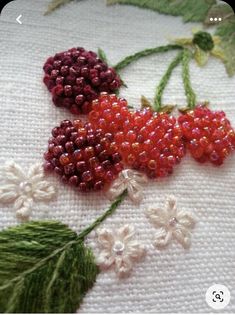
x: 23, y: 190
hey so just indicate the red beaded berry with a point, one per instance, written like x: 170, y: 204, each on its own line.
x: 109, y: 113
x: 83, y: 157
x: 209, y: 135
x: 151, y: 142
x: 76, y: 77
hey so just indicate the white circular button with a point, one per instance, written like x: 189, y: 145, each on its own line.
x: 218, y: 296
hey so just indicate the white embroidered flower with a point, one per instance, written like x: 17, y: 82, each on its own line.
x: 119, y: 250
x: 130, y: 180
x: 172, y: 224
x: 23, y: 189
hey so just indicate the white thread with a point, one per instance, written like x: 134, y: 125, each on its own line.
x: 130, y: 180
x: 119, y: 250
x: 24, y: 189
x: 171, y: 223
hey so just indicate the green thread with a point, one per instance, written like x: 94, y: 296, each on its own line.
x: 102, y: 55
x: 144, y: 53
x: 157, y: 104
x: 190, y: 95
x: 98, y: 221
x: 55, y: 4
x: 45, y: 266
x: 190, y: 10
x: 203, y: 40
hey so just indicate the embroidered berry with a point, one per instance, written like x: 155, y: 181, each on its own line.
x: 150, y: 142
x: 82, y: 156
x: 76, y: 77
x: 109, y: 113
x: 208, y: 134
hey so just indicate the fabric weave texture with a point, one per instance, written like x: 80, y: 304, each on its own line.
x: 170, y: 280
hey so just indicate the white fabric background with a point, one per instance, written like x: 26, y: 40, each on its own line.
x: 173, y: 280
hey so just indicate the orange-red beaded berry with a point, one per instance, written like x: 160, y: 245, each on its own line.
x: 82, y: 156
x: 208, y: 134
x: 109, y: 113
x: 151, y: 142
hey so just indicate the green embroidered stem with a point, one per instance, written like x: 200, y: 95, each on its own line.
x: 102, y: 55
x: 98, y: 221
x: 143, y: 53
x: 157, y: 104
x: 191, y: 97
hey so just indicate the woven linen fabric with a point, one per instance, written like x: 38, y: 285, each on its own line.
x: 170, y: 280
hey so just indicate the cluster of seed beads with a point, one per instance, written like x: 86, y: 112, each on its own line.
x: 83, y: 157
x: 151, y: 142
x: 76, y: 77
x: 209, y: 135
x: 109, y: 113
x: 148, y: 141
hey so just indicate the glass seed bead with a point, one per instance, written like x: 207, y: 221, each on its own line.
x: 118, y: 247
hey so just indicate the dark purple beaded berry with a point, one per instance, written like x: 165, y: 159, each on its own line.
x: 76, y: 77
x: 82, y: 156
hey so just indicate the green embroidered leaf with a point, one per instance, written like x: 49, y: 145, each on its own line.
x: 191, y: 10
x: 55, y: 4
x: 226, y: 31
x: 201, y: 56
x: 44, y: 268
x: 219, y: 11
x: 145, y: 102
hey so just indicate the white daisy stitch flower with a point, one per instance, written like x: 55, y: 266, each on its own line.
x: 171, y: 224
x: 23, y: 189
x: 130, y: 180
x: 119, y: 250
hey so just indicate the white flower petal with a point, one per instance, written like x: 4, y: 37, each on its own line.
x: 23, y: 201
x: 125, y: 233
x: 14, y: 168
x: 171, y: 206
x: 12, y: 172
x: 135, y: 192
x: 158, y: 217
x: 116, y: 189
x: 105, y: 260
x: 135, y: 250
x: 183, y: 236
x: 23, y: 213
x: 162, y: 238
x: 123, y: 266
x: 130, y: 180
x: 186, y: 219
x: 35, y: 173
x: 174, y: 223
x: 138, y: 177
x: 105, y: 238
x: 20, y: 189
x: 43, y: 191
x: 8, y: 194
x: 118, y: 247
